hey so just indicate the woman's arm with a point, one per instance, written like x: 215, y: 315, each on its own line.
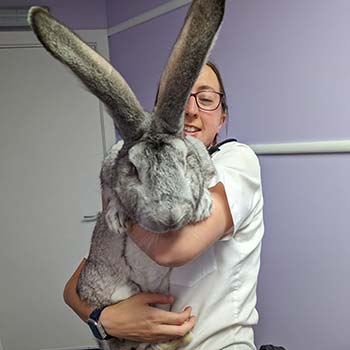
x: 134, y: 318
x: 71, y: 296
x: 176, y: 248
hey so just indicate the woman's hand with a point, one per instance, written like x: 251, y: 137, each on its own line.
x: 134, y: 318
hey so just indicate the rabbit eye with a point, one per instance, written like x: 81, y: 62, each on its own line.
x: 133, y: 171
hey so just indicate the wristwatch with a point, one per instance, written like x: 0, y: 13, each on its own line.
x: 95, y: 325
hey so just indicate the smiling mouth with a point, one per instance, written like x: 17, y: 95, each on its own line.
x: 191, y: 129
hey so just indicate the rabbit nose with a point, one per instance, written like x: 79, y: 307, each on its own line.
x: 174, y: 218
x: 171, y: 224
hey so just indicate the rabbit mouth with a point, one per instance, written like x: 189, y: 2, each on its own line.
x: 161, y: 226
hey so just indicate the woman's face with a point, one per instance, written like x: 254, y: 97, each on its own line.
x: 204, y: 125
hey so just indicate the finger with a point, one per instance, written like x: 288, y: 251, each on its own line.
x: 178, y: 318
x: 177, y: 331
x: 172, y: 318
x: 155, y: 298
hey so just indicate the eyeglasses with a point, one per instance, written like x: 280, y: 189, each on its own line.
x: 207, y: 100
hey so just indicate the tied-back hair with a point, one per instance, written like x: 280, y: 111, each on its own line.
x: 224, y: 105
x: 215, y: 69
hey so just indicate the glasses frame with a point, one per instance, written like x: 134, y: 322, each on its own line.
x: 194, y: 94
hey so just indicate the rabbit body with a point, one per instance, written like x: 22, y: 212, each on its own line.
x: 157, y: 178
x: 114, y: 259
x: 116, y: 268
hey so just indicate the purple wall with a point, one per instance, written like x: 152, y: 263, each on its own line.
x: 296, y: 65
x: 77, y: 14
x: 141, y: 52
x: 286, y: 66
x: 303, y: 291
x: 286, y: 70
x: 120, y: 11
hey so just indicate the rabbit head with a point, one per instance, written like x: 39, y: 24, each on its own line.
x: 160, y: 182
x: 159, y: 177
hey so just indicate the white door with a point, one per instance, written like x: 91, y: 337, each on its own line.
x: 53, y: 134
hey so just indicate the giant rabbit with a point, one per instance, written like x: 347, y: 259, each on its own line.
x: 156, y: 177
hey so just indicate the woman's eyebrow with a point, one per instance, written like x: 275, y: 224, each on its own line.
x: 205, y: 87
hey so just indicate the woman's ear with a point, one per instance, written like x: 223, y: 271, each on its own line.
x: 223, y: 119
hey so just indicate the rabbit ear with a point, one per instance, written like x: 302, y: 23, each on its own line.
x: 186, y: 60
x: 93, y: 70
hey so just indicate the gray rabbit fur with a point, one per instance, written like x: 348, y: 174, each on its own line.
x: 156, y: 176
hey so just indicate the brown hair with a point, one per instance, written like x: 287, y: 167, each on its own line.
x: 224, y: 105
x: 222, y: 88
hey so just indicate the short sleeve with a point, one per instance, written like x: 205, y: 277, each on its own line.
x: 238, y: 169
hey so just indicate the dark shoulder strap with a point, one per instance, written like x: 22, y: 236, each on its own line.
x: 216, y: 148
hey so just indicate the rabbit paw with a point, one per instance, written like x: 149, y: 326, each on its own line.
x: 174, y: 344
x: 123, y: 292
x: 116, y: 220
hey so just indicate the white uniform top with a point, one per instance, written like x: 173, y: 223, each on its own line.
x: 220, y: 285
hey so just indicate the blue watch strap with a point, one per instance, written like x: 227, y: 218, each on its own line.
x: 95, y: 314
x: 95, y: 325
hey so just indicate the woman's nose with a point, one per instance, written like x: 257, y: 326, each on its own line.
x: 191, y: 107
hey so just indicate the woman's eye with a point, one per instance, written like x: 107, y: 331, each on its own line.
x: 205, y: 100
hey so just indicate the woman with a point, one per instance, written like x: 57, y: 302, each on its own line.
x: 216, y: 260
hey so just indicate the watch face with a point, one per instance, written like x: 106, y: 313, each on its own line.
x: 95, y: 325
x: 97, y: 329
